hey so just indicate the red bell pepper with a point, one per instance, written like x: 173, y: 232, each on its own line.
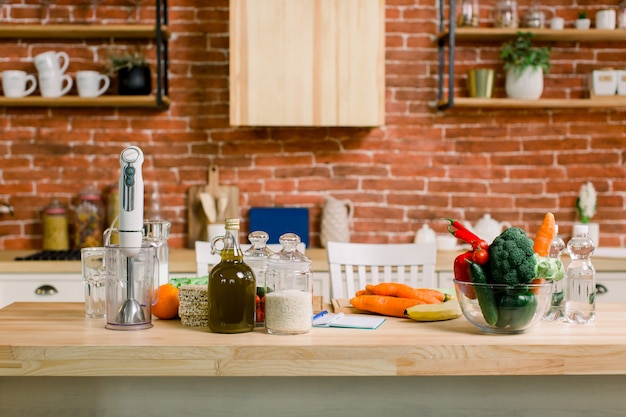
x: 462, y: 272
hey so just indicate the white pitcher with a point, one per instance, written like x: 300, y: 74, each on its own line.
x: 336, y: 218
x: 488, y: 228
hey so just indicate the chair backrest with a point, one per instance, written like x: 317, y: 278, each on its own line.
x: 353, y: 265
x: 204, y: 258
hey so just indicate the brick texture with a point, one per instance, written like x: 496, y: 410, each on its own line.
x: 420, y: 166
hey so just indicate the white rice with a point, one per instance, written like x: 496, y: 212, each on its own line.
x: 288, y: 311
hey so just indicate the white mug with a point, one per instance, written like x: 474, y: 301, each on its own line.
x: 14, y: 83
x: 51, y: 84
x: 52, y: 61
x: 605, y: 19
x: 89, y: 83
x: 557, y: 23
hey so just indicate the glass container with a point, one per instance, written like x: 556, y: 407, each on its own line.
x: 469, y: 14
x: 232, y: 286
x: 89, y: 220
x: 55, y: 227
x: 506, y: 14
x: 289, y: 284
x: 257, y: 257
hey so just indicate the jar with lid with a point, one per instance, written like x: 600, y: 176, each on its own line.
x: 289, y: 284
x: 621, y: 15
x: 257, y: 257
x: 55, y: 227
x: 89, y: 219
x: 506, y: 14
x: 469, y: 14
x: 534, y: 17
x: 232, y: 285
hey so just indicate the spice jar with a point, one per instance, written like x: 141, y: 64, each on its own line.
x: 55, y: 227
x: 89, y: 220
x: 257, y: 257
x: 621, y: 16
x: 289, y: 284
x: 506, y: 14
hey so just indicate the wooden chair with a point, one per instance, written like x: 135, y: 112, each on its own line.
x: 353, y: 265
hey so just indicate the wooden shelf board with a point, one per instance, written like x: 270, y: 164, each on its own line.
x: 80, y: 31
x: 556, y: 103
x: 564, y: 35
x: 73, y: 101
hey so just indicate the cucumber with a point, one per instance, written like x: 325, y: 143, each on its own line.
x: 484, y: 294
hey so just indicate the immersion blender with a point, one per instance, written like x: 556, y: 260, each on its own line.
x: 130, y: 227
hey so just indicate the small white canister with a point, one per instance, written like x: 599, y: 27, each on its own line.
x: 604, y: 82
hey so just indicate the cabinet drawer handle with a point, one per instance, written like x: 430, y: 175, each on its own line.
x: 46, y: 290
x: 601, y: 289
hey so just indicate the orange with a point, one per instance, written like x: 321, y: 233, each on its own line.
x: 166, y: 306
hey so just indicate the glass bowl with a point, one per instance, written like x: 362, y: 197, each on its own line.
x: 507, y: 309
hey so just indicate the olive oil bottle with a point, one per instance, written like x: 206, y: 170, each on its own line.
x: 232, y: 286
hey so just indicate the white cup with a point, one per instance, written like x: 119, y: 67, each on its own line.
x: 14, y: 83
x: 51, y: 84
x: 605, y: 19
x: 557, y: 23
x: 91, y: 83
x: 52, y: 61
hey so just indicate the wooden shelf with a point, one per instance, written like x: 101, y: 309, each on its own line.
x: 547, y: 103
x: 74, y: 101
x: 564, y: 35
x: 81, y: 31
x: 498, y: 35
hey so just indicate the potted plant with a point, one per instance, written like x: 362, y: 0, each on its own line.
x: 586, y: 204
x: 525, y: 66
x: 583, y: 21
x: 133, y: 72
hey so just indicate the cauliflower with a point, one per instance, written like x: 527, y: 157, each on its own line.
x: 511, y: 258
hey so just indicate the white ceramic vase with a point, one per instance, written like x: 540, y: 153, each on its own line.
x: 524, y: 85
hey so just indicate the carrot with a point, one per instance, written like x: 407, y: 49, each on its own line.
x: 384, y: 304
x: 397, y: 289
x: 544, y: 236
x: 363, y: 292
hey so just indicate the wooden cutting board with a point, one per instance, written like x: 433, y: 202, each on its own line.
x: 196, y: 218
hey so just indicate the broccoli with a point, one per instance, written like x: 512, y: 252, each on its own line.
x: 511, y: 258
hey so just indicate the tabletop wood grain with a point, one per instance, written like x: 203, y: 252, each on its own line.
x: 55, y: 339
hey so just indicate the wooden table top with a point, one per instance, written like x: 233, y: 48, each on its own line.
x: 56, y: 339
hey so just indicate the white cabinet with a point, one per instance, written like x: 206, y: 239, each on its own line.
x: 40, y: 287
x: 615, y: 284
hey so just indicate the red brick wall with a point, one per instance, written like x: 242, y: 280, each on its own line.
x: 420, y: 166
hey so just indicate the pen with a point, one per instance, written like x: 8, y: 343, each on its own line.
x: 320, y: 314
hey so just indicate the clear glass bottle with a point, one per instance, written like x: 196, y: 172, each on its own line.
x: 469, y: 14
x: 557, y: 306
x: 89, y: 219
x: 580, y: 295
x: 257, y: 257
x: 289, y: 284
x: 55, y: 227
x: 621, y: 16
x: 506, y: 14
x: 232, y: 286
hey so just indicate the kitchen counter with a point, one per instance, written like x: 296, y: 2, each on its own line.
x: 388, y: 371
x: 183, y: 261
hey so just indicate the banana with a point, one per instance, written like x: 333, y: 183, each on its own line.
x: 434, y: 312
